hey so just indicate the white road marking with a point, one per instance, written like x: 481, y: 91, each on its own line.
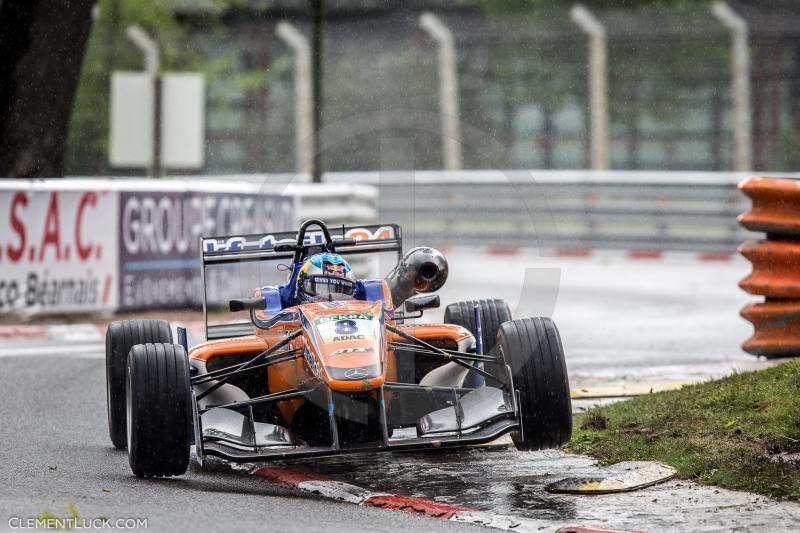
x: 75, y: 333
x: 83, y: 351
x: 625, y: 390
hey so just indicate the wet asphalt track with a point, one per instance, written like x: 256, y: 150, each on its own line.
x: 54, y: 450
x: 511, y: 483
x: 620, y: 321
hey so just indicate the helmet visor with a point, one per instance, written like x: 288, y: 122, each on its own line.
x: 327, y: 288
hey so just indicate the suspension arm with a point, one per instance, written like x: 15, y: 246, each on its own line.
x: 444, y: 354
x: 254, y: 361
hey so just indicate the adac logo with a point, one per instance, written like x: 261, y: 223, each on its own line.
x: 341, y: 338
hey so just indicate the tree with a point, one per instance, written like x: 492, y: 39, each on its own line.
x: 43, y: 43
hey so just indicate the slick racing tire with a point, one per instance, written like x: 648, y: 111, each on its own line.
x: 159, y: 410
x: 531, y: 347
x: 493, y: 313
x: 121, y: 336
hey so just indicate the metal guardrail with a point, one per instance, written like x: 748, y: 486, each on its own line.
x: 631, y: 210
x: 614, y: 210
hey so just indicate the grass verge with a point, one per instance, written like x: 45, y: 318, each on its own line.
x: 740, y: 432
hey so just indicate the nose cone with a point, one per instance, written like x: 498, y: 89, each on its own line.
x: 349, y: 342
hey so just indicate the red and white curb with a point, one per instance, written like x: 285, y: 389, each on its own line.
x: 77, y: 340
x: 73, y: 340
x: 345, y: 492
x: 81, y: 333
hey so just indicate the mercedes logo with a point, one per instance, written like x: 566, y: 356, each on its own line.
x: 355, y: 373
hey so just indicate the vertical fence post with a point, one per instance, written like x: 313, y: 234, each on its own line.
x: 448, y: 89
x: 317, y: 21
x: 152, y: 65
x: 740, y: 64
x: 303, y: 96
x: 598, y: 84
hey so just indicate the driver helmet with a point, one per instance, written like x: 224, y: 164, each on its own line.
x: 325, y: 277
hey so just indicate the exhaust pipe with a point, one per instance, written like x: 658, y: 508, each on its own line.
x: 422, y: 269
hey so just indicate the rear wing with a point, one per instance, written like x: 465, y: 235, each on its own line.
x: 255, y: 247
x: 261, y: 247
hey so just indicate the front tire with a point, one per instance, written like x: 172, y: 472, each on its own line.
x: 121, y: 336
x: 532, y: 349
x: 493, y: 313
x: 159, y: 410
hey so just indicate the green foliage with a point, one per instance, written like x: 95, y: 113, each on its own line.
x: 736, y: 433
x: 72, y: 509
x: 184, y: 47
x: 106, y: 51
x: 60, y: 523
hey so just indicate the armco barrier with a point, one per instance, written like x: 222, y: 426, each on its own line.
x: 572, y: 210
x: 645, y: 212
x: 776, y: 266
x: 99, y: 245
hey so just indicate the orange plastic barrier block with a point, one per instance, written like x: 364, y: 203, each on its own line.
x: 776, y: 206
x: 777, y: 328
x: 776, y: 268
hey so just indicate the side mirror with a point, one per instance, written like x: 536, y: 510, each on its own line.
x: 247, y: 304
x: 423, y: 301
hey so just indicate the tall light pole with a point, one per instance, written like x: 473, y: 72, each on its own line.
x: 152, y: 65
x: 303, y: 100
x: 316, y: 76
x: 740, y: 83
x: 598, y: 84
x: 448, y: 89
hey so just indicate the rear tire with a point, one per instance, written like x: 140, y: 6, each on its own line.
x: 159, y: 410
x: 121, y: 336
x: 493, y: 313
x: 532, y: 348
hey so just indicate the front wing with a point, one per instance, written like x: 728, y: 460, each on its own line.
x: 473, y: 416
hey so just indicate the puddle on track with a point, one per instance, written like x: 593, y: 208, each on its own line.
x: 505, y: 481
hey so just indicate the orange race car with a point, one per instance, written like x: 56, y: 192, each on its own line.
x: 328, y: 363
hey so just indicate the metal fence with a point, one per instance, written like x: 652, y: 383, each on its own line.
x: 522, y: 77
